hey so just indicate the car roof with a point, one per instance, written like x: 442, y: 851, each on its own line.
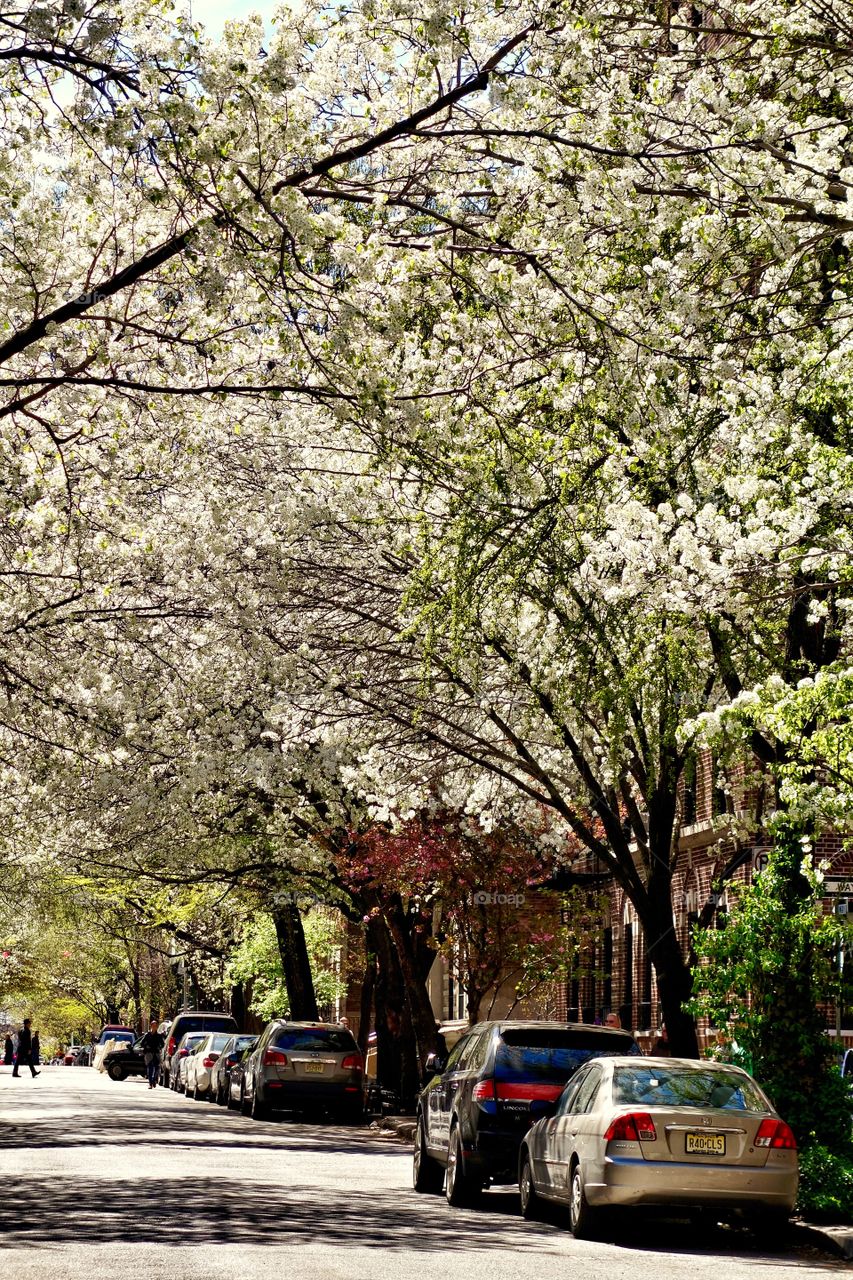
x: 309, y: 1026
x: 201, y: 1013
x: 586, y: 1027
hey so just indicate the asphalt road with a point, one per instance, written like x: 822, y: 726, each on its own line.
x: 105, y: 1181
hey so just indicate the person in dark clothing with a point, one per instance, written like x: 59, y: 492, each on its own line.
x: 8, y: 1052
x: 35, y: 1057
x: 25, y: 1049
x: 152, y: 1048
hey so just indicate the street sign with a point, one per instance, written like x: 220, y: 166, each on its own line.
x: 760, y: 859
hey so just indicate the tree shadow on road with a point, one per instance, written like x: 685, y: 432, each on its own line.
x: 211, y: 1211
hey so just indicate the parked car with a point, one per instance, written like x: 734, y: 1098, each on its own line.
x: 129, y: 1060
x: 200, y: 1063
x: 179, y: 1057
x: 192, y: 1020
x: 304, y: 1065
x: 664, y: 1132
x: 112, y: 1031
x: 231, y: 1053
x: 481, y: 1100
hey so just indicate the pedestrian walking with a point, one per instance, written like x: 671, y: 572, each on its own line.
x: 35, y: 1057
x: 25, y: 1050
x: 152, y: 1049
x: 8, y: 1052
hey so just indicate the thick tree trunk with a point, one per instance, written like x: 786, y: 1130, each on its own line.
x: 672, y: 970
x: 412, y: 963
x: 368, y: 984
x: 295, y: 963
x: 238, y: 1004
x: 397, y: 1065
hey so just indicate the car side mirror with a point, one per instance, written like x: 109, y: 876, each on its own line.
x: 435, y: 1064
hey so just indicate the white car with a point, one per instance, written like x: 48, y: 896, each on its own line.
x: 199, y: 1061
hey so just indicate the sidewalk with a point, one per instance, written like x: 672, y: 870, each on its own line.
x: 835, y: 1240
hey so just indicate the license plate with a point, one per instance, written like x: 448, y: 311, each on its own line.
x: 316, y: 1068
x: 706, y: 1144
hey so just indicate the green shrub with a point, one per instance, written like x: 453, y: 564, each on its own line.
x: 826, y: 1185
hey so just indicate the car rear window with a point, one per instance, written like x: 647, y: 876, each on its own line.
x: 317, y: 1039
x: 219, y: 1041
x: 554, y: 1054
x: 200, y: 1023
x: 708, y: 1087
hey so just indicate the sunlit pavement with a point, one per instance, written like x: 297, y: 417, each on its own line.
x: 107, y: 1181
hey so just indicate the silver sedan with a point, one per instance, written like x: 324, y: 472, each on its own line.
x: 664, y: 1132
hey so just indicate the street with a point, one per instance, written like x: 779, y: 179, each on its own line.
x: 110, y: 1180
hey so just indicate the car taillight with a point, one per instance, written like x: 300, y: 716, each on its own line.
x: 528, y: 1092
x: 183, y: 1053
x: 484, y: 1091
x: 638, y: 1126
x: 775, y: 1134
x: 210, y: 1059
x: 275, y: 1058
x: 353, y: 1062
x: 171, y: 1048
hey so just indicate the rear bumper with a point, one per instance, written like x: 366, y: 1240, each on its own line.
x: 630, y: 1181
x: 279, y: 1093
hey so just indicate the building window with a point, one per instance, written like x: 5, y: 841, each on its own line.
x: 626, y: 1011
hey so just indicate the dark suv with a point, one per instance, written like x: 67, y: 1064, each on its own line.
x: 499, y: 1078
x: 192, y: 1020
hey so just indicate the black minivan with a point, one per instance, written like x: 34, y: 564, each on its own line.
x: 499, y: 1078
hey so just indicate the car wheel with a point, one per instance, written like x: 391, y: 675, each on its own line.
x: 259, y: 1110
x: 459, y: 1187
x: 531, y: 1205
x: 195, y: 1095
x: 582, y: 1218
x: 229, y: 1101
x: 427, y: 1173
x: 116, y: 1073
x: 245, y: 1103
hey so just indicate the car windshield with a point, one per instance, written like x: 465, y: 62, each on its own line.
x: 219, y: 1041
x: 554, y: 1054
x: 317, y: 1039
x: 702, y: 1087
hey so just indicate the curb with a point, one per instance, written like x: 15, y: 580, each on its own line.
x: 835, y: 1240
x: 401, y: 1127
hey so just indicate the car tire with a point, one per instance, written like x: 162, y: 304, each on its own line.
x: 116, y: 1073
x: 259, y: 1109
x: 245, y: 1103
x: 427, y: 1173
x: 459, y: 1187
x: 583, y: 1219
x: 531, y: 1204
x: 229, y: 1101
